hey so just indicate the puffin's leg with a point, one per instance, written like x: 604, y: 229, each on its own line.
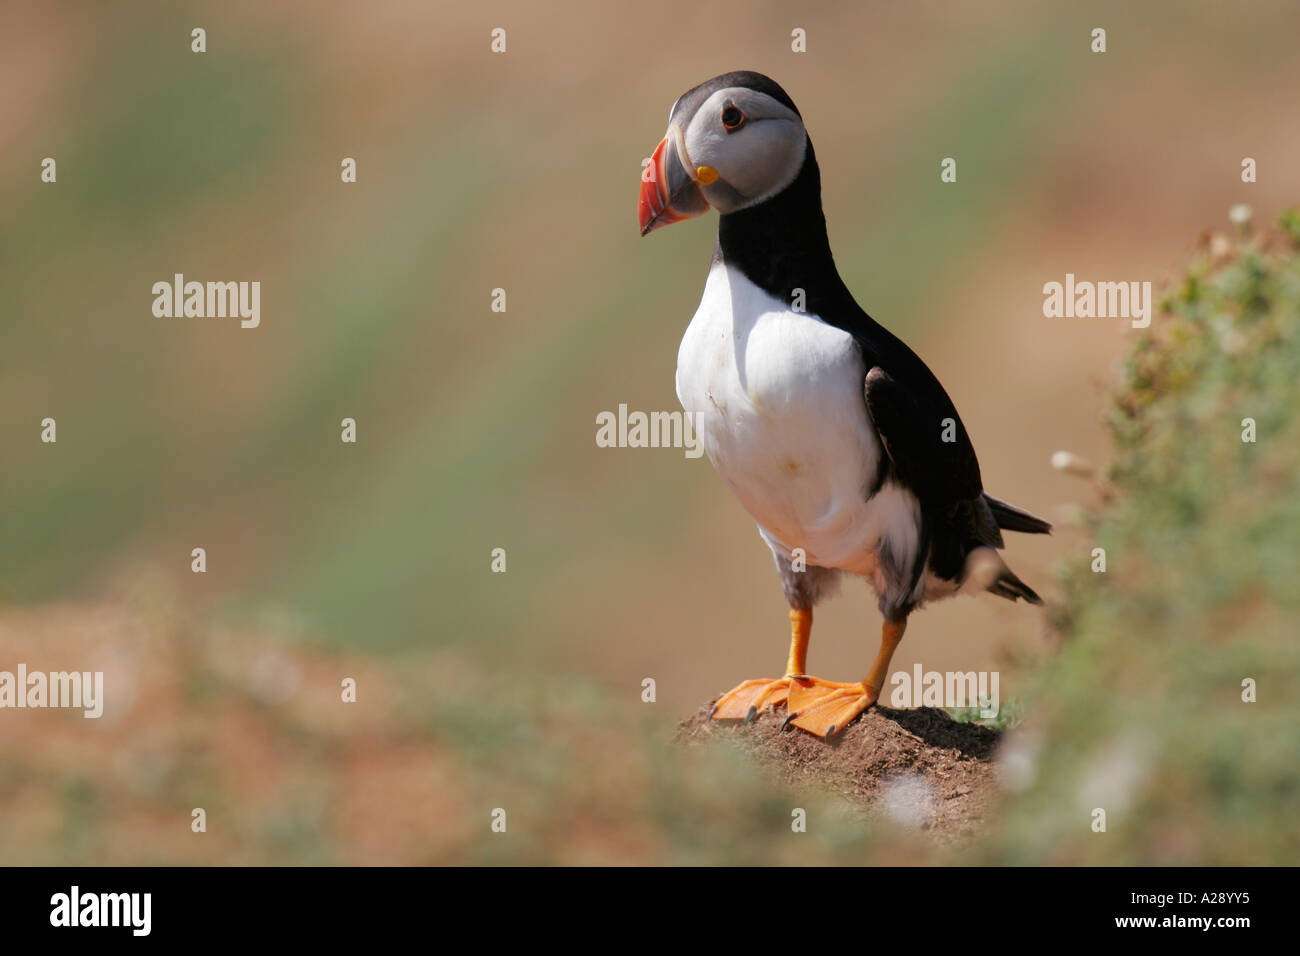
x: 823, y: 708
x: 752, y: 697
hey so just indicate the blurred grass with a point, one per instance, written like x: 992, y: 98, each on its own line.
x: 475, y: 428
x: 991, y: 120
x: 466, y: 439
x: 1141, y: 712
x: 249, y: 727
x: 137, y: 157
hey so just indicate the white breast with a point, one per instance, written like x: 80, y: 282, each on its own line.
x: 783, y: 419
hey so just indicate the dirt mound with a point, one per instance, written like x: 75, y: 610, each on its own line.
x: 917, y: 767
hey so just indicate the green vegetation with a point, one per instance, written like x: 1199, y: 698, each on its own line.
x: 1141, y: 713
x: 1010, y: 714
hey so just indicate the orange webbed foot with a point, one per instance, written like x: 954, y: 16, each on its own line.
x: 751, y: 698
x: 825, y: 708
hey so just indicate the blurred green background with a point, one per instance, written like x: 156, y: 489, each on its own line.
x: 519, y: 171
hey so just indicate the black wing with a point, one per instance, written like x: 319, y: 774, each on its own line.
x: 930, y: 453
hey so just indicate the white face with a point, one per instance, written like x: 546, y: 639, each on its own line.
x: 756, y: 145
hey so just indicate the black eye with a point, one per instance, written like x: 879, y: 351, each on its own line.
x: 732, y: 119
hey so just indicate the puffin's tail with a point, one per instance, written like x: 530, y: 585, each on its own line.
x: 985, y: 570
x: 1009, y: 586
x: 1011, y: 518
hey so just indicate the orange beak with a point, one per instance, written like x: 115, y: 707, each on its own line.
x: 669, y: 193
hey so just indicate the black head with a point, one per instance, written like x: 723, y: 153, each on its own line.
x: 733, y: 142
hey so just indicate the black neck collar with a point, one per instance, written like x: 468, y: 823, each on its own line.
x: 781, y: 245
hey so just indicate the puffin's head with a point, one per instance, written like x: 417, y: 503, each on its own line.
x: 732, y: 142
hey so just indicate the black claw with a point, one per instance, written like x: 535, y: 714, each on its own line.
x: 713, y: 710
x: 786, y: 723
x: 829, y: 730
x: 750, y: 714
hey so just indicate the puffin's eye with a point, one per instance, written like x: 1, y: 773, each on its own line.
x: 732, y: 119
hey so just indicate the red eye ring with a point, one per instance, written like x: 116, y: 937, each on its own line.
x: 732, y: 118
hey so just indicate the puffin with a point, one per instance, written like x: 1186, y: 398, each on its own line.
x: 832, y: 433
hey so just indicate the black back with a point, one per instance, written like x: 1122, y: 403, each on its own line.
x: 781, y: 245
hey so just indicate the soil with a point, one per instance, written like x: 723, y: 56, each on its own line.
x: 916, y: 767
